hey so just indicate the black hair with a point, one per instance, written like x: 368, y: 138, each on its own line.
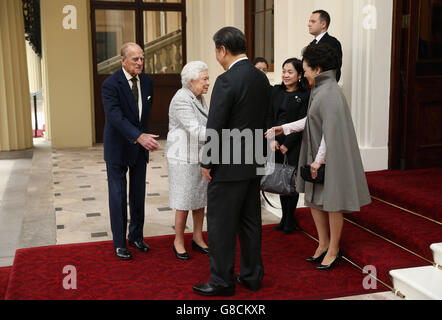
x: 321, y: 55
x: 297, y: 64
x: 260, y: 59
x: 232, y: 39
x: 324, y: 16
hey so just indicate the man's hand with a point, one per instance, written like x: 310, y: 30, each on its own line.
x: 206, y: 174
x: 148, y: 142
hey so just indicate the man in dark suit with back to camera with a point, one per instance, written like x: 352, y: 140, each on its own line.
x: 239, y: 102
x: 127, y: 99
x: 318, y: 25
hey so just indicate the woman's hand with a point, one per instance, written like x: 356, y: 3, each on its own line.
x: 206, y: 174
x: 274, y: 145
x: 274, y: 132
x: 284, y: 149
x: 314, y: 167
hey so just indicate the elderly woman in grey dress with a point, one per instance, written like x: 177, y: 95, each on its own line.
x: 188, y: 114
x: 329, y: 139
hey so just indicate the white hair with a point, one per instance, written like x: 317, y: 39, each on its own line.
x: 126, y: 46
x: 192, y: 71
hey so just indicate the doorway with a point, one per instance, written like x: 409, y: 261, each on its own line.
x: 158, y: 26
x: 416, y: 84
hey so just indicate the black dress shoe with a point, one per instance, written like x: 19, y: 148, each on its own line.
x: 140, y: 246
x: 123, y: 253
x: 181, y: 256
x: 247, y: 284
x: 211, y: 290
x: 196, y: 247
x: 318, y: 259
x: 331, y: 265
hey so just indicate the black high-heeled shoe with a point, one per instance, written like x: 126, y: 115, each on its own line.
x: 318, y: 259
x: 196, y: 247
x: 181, y: 256
x: 331, y: 265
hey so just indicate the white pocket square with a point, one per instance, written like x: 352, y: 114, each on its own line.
x: 148, y: 98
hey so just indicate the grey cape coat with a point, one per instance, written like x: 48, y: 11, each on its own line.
x: 345, y: 188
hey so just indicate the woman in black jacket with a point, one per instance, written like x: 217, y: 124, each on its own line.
x: 289, y: 103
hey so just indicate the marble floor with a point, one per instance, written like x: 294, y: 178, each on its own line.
x: 53, y: 197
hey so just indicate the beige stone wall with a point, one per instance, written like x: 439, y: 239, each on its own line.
x: 15, y: 106
x: 67, y: 73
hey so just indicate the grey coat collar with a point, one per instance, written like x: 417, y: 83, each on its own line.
x: 325, y: 77
x: 200, y: 105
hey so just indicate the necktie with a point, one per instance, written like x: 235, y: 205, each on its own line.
x: 135, y: 93
x: 314, y: 42
x: 135, y: 89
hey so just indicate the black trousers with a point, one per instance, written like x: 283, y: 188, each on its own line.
x: 117, y: 184
x: 234, y: 209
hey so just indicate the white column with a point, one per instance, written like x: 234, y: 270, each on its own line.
x: 15, y: 106
x: 34, y: 69
x: 370, y: 79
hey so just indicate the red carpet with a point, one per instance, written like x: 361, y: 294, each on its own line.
x: 158, y: 275
x: 38, y: 273
x: 365, y: 249
x: 4, y: 279
x: 408, y: 230
x: 417, y: 190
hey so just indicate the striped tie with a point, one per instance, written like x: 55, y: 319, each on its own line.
x: 135, y: 89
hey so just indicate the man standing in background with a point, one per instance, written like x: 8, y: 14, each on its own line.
x: 318, y: 25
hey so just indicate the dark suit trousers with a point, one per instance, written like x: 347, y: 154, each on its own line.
x: 117, y: 184
x: 234, y: 209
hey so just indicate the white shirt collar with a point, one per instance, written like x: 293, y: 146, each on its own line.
x: 318, y: 38
x: 128, y: 76
x: 241, y: 59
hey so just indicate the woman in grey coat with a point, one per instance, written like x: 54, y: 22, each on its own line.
x: 188, y: 115
x: 329, y: 139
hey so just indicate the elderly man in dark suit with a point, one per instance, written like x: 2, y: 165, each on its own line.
x: 127, y: 99
x: 318, y: 25
x: 240, y: 101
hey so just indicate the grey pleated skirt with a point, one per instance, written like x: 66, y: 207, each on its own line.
x: 187, y: 186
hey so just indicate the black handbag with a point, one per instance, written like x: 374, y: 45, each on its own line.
x: 279, y: 178
x: 306, y: 174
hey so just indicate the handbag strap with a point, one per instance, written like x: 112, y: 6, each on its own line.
x: 268, y: 201
x: 286, y: 160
